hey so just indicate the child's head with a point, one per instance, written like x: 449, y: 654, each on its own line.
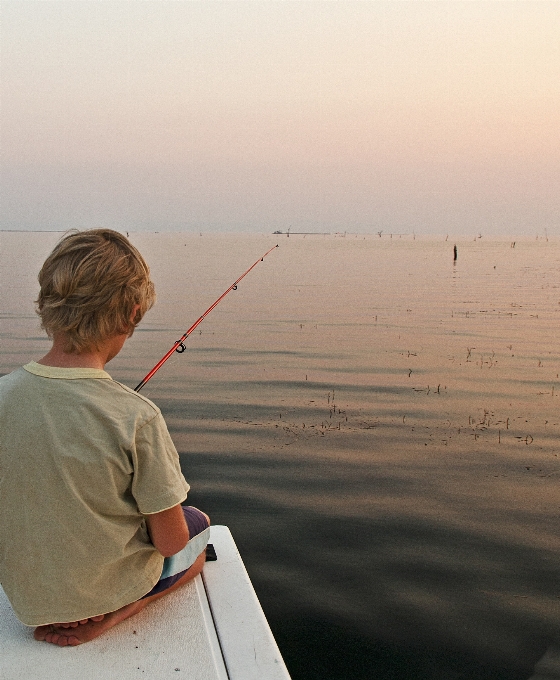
x: 91, y: 284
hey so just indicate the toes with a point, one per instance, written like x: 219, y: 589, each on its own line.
x: 48, y: 634
x: 62, y: 640
x: 41, y: 631
x: 70, y: 624
x: 81, y: 622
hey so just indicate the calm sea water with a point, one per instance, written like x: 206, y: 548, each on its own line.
x: 379, y: 427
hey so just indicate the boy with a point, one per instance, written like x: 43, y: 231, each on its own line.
x: 90, y: 482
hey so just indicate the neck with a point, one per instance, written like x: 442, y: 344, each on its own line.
x: 91, y: 358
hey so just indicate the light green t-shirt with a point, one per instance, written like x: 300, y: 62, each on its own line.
x: 82, y: 458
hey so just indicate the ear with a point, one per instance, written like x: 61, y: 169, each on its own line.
x: 135, y: 311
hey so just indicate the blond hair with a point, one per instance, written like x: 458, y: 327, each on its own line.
x: 90, y: 285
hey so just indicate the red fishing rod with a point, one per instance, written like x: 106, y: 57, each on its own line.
x: 179, y: 346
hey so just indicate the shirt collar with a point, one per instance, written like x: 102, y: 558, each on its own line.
x: 65, y: 373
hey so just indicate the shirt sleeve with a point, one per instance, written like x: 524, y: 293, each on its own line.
x: 158, y: 483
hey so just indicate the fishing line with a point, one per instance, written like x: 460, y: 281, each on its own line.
x: 179, y: 346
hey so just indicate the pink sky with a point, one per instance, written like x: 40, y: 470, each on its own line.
x: 433, y: 117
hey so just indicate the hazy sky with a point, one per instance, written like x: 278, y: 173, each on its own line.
x: 433, y: 117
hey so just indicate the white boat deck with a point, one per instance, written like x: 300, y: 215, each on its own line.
x: 211, y: 629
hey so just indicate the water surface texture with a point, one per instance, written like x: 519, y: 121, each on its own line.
x: 377, y: 424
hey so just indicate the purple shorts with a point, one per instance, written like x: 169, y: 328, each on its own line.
x: 197, y: 523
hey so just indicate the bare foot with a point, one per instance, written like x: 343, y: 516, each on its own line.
x: 77, y: 632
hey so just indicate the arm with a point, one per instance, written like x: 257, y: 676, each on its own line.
x: 168, y: 530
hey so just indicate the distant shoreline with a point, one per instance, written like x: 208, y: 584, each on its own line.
x: 383, y: 236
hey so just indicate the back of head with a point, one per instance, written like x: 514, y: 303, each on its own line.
x: 90, y: 285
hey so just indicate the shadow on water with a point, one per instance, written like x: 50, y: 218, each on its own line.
x: 354, y: 593
x: 322, y: 648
